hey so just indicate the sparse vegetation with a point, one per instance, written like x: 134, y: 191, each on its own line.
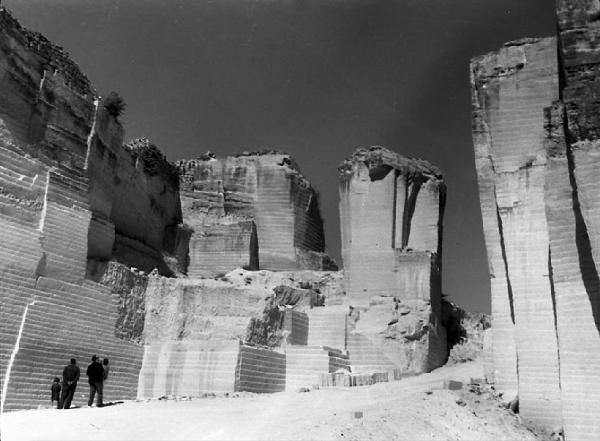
x: 114, y: 104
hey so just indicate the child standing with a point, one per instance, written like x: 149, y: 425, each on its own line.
x: 56, y: 392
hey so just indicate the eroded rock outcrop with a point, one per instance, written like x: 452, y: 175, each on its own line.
x: 391, y: 210
x: 134, y: 199
x: 536, y: 131
x: 252, y: 211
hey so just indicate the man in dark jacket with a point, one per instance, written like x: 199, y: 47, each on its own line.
x: 70, y: 377
x: 95, y: 375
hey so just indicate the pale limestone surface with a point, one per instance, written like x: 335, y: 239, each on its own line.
x: 579, y: 343
x: 511, y: 88
x: 53, y: 135
x: 391, y: 210
x: 195, y: 329
x: 573, y: 207
x: 537, y: 159
x: 254, y: 210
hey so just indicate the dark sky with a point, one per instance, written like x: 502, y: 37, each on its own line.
x: 315, y: 78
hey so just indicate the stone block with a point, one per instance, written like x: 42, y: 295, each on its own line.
x: 260, y: 370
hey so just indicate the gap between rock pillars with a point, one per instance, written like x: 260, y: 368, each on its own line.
x: 587, y: 266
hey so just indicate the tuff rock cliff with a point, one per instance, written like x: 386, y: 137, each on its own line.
x: 535, y: 132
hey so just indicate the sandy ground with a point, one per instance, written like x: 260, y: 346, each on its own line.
x: 413, y: 409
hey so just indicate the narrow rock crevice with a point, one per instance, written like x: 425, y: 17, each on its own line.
x: 553, y: 295
x: 395, y: 208
x: 505, y: 261
x: 587, y: 266
x: 552, y: 290
x: 409, y: 209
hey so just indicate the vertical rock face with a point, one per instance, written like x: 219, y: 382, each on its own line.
x: 538, y: 172
x: 255, y: 211
x: 574, y: 289
x: 511, y: 89
x: 71, y: 199
x: 134, y: 198
x: 573, y: 210
x: 391, y: 210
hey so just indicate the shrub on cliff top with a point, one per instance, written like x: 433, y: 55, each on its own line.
x: 114, y: 104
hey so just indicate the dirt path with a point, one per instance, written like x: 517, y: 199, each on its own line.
x: 415, y: 408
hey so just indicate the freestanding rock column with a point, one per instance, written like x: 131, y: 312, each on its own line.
x: 511, y: 88
x: 391, y: 210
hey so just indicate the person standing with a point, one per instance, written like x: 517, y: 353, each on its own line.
x: 70, y: 376
x: 95, y: 375
x: 55, y: 389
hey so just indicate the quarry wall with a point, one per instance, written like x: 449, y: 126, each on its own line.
x: 109, y: 249
x: 536, y: 146
x: 61, y: 225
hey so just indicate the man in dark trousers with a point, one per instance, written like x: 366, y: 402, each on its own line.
x: 70, y: 376
x: 95, y: 374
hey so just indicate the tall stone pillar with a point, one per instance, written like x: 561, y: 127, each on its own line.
x: 511, y: 89
x: 391, y: 211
